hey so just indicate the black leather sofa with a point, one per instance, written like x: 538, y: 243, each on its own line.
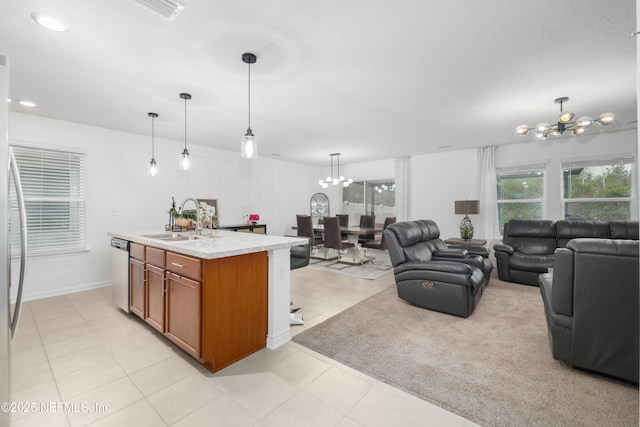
x: 591, y: 306
x: 299, y: 256
x: 431, y: 275
x: 528, y: 246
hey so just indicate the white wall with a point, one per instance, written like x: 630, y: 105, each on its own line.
x: 121, y: 197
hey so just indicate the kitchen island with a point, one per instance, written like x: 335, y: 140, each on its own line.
x: 219, y: 297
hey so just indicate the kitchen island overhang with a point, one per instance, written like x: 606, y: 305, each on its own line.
x: 227, y: 244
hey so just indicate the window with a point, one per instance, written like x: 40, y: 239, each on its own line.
x: 53, y: 188
x: 369, y: 197
x: 597, y: 189
x: 520, y: 193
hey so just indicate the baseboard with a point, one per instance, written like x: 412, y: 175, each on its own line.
x: 30, y: 296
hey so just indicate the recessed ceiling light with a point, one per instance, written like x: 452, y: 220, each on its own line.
x: 26, y: 103
x: 49, y: 23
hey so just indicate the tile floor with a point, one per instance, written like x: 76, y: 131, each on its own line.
x: 80, y: 361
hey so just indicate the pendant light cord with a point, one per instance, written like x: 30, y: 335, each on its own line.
x: 249, y: 98
x: 185, y: 122
x: 153, y: 138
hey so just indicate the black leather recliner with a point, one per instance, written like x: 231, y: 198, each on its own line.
x: 591, y: 306
x: 429, y: 274
x: 526, y: 250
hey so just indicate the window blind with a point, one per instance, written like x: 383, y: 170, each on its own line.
x: 54, y: 196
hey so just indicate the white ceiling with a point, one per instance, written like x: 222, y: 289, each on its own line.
x: 371, y: 79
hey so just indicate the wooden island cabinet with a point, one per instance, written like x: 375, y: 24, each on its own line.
x: 214, y: 309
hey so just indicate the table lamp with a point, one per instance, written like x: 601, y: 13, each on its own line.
x: 467, y: 207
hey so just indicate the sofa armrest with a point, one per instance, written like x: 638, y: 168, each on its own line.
x: 440, y: 266
x: 451, y: 253
x: 472, y: 260
x: 502, y: 247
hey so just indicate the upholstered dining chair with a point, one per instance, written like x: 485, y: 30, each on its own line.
x: 305, y: 229
x: 343, y: 219
x: 367, y: 221
x: 380, y: 244
x: 332, y: 235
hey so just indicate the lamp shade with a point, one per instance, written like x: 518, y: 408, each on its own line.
x: 467, y: 207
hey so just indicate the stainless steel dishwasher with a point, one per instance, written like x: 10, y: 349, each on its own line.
x: 120, y: 273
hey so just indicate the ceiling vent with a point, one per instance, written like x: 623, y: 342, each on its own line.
x: 167, y: 8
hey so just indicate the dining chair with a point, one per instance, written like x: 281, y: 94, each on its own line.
x: 367, y: 221
x: 343, y: 219
x: 305, y: 229
x: 332, y: 235
x: 380, y: 244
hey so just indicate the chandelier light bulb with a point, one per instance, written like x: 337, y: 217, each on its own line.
x: 566, y: 116
x: 584, y: 122
x: 541, y: 135
x: 543, y: 127
x: 606, y: 118
x: 325, y: 185
x: 578, y: 130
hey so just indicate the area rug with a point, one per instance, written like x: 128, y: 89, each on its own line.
x: 378, y: 267
x: 494, y: 368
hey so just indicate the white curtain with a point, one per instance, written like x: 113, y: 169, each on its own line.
x: 487, y: 223
x: 401, y: 165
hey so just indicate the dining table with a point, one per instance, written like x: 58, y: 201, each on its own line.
x: 352, y: 255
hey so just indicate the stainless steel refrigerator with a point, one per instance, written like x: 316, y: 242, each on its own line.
x: 8, y: 315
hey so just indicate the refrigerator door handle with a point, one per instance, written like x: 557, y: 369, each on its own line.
x: 23, y: 240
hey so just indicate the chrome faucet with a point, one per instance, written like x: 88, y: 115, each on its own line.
x: 198, y: 223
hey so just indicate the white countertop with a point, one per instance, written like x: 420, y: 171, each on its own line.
x: 223, y: 244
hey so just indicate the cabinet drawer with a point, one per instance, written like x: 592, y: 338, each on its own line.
x: 136, y: 251
x: 184, y: 265
x: 155, y: 257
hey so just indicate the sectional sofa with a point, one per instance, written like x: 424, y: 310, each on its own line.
x: 528, y: 246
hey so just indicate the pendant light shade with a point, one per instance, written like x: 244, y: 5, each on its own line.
x: 153, y: 169
x: 184, y: 160
x: 249, y: 146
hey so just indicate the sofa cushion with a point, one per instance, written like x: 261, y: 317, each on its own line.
x: 572, y: 229
x: 429, y: 229
x: 624, y: 230
x: 534, y: 263
x: 531, y: 237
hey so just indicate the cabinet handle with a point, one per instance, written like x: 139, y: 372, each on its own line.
x: 164, y: 285
x: 177, y: 265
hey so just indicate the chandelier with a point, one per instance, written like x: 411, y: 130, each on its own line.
x: 565, y: 123
x: 339, y: 178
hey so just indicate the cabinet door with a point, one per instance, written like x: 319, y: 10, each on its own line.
x: 155, y: 297
x: 137, y: 282
x: 183, y: 313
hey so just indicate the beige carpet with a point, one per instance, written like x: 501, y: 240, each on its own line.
x: 494, y: 368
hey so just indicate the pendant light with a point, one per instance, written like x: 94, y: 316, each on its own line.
x: 249, y: 146
x: 152, y: 164
x: 184, y: 162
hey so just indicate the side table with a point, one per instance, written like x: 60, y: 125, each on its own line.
x: 461, y: 242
